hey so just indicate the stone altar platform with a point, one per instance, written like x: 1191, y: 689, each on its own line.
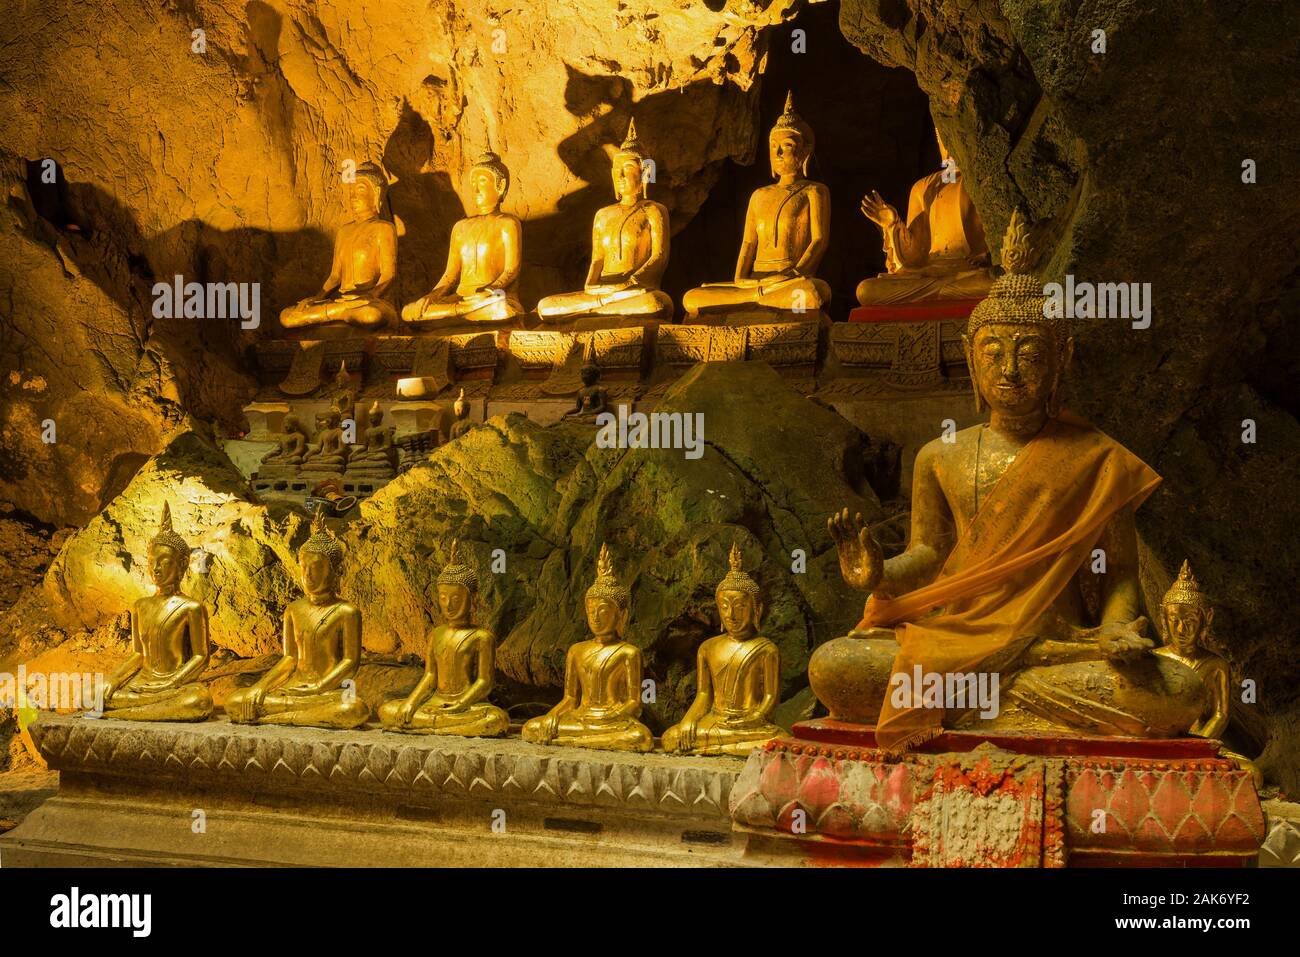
x: 828, y: 795
x: 215, y: 793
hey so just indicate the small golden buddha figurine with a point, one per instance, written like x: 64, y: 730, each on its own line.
x: 327, y: 453
x: 629, y: 252
x: 483, y: 261
x: 169, y: 644
x: 377, y: 458
x: 1186, y: 618
x: 593, y: 398
x: 365, y: 262
x: 313, y: 685
x: 452, y: 696
x: 738, y: 677
x: 985, y: 604
x: 940, y: 251
x: 787, y: 229
x: 293, y: 446
x: 602, y: 678
x: 463, y: 422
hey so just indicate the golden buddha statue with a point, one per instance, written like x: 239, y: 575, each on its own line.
x: 313, y: 685
x: 738, y: 677
x: 629, y: 252
x: 787, y: 229
x: 365, y: 262
x: 940, y: 251
x: 602, y: 678
x: 452, y: 695
x: 327, y: 453
x: 377, y: 458
x: 169, y: 644
x: 483, y: 261
x: 1004, y: 523
x: 1185, y: 617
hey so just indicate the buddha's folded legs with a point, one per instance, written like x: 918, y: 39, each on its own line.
x: 714, y: 735
x: 359, y: 311
x: 474, y: 308
x: 893, y: 288
x: 807, y: 295
x: 327, y: 710
x: 624, y: 734
x: 623, y: 302
x: 190, y: 702
x: 482, y: 720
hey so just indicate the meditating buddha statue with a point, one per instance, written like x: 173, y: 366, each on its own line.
x: 327, y: 453
x: 365, y: 262
x: 787, y: 229
x: 169, y: 644
x: 288, y: 455
x: 452, y: 695
x: 602, y: 678
x: 939, y: 252
x: 463, y: 422
x: 629, y: 252
x: 483, y: 260
x: 738, y: 677
x: 377, y: 458
x: 314, y: 683
x: 1005, y: 518
x: 1185, y: 617
x: 593, y: 398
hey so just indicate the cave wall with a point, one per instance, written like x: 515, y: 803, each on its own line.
x: 1132, y: 161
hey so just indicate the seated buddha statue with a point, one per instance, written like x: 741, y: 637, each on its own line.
x: 602, y: 678
x: 169, y: 644
x: 629, y: 252
x: 482, y: 274
x: 314, y: 683
x: 377, y: 457
x: 463, y: 423
x: 787, y: 229
x: 452, y: 695
x: 288, y: 455
x: 938, y: 253
x: 326, y: 453
x: 738, y: 677
x: 1004, y: 522
x: 364, y: 264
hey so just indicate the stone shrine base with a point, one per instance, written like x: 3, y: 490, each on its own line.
x: 215, y: 793
x: 828, y: 795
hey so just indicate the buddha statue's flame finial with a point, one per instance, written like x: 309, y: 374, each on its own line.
x: 737, y: 578
x: 630, y: 143
x: 606, y: 584
x: 1185, y: 590
x: 456, y: 571
x: 789, y: 101
x: 1017, y: 297
x: 322, y: 541
x: 166, y: 534
x: 1017, y: 252
x: 374, y: 407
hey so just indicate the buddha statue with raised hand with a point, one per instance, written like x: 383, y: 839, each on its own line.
x: 602, y: 678
x: 452, y: 695
x: 169, y: 644
x: 787, y: 230
x: 364, y: 264
x: 1005, y: 518
x: 629, y: 252
x: 483, y: 260
x: 314, y: 683
x: 939, y: 252
x: 738, y: 677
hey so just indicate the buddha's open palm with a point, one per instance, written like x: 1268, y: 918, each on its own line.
x: 878, y: 211
x: 862, y: 562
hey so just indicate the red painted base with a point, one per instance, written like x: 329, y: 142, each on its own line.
x: 935, y: 311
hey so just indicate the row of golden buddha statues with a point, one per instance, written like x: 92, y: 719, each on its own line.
x: 738, y: 671
x: 938, y: 251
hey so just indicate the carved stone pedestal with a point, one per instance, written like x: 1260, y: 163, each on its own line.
x: 828, y: 795
x: 214, y: 793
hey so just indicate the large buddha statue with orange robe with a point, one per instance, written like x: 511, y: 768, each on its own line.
x: 1009, y: 520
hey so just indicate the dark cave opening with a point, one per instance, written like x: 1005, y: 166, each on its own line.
x: 873, y: 131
